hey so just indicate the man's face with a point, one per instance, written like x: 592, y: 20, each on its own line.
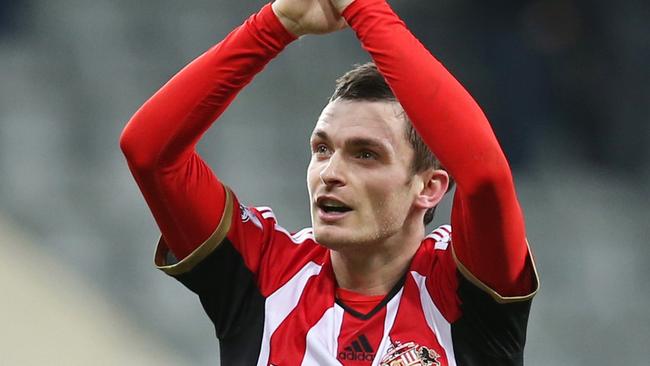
x: 359, y: 178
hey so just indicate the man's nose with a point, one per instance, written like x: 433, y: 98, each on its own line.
x: 332, y: 173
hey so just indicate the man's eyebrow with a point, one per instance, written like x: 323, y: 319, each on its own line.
x: 365, y: 142
x: 320, y: 134
x: 353, y: 141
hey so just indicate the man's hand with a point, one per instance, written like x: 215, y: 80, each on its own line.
x: 340, y: 5
x: 308, y: 16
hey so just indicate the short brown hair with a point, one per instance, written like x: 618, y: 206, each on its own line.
x: 365, y: 82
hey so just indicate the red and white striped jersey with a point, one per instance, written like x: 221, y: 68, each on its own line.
x: 271, y: 295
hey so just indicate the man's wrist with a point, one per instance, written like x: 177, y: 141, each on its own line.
x: 290, y: 25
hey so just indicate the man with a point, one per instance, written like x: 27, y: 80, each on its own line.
x: 365, y: 285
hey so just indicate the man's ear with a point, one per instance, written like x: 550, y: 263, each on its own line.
x: 434, y: 186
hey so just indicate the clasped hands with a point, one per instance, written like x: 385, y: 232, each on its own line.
x: 302, y: 17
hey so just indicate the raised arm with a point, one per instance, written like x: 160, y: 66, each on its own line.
x: 184, y: 195
x: 186, y: 198
x: 488, y: 227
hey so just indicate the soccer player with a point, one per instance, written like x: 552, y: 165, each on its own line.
x: 366, y: 285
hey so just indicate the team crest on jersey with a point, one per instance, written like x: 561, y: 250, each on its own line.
x: 409, y: 354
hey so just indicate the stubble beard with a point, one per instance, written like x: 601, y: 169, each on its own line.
x: 359, y: 239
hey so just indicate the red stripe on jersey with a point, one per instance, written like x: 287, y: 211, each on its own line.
x: 268, y: 250
x: 288, y: 342
x: 278, y: 266
x: 359, y: 339
x: 410, y: 319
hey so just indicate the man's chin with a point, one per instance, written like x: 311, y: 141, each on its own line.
x: 332, y: 237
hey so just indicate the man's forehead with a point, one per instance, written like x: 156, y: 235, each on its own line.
x: 383, y: 108
x: 381, y: 118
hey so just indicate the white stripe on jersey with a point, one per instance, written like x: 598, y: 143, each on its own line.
x: 441, y: 233
x: 322, y: 339
x: 391, y: 312
x: 438, y: 324
x: 442, y: 237
x: 280, y: 303
x: 297, y: 238
x: 441, y: 245
x: 445, y: 230
x: 302, y: 235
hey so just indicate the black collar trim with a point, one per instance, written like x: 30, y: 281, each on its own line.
x: 384, y: 301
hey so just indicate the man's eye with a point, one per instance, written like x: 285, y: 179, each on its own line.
x: 365, y: 155
x: 321, y: 149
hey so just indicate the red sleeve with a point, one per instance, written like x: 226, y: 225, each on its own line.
x: 185, y: 197
x: 489, y: 234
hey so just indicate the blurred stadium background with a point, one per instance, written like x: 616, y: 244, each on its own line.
x: 566, y: 84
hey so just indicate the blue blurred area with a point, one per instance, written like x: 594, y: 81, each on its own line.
x: 565, y: 83
x: 10, y: 17
x: 566, y: 67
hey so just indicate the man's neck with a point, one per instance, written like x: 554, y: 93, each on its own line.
x: 375, y: 269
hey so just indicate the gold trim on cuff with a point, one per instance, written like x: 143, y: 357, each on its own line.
x: 495, y: 295
x: 200, y: 253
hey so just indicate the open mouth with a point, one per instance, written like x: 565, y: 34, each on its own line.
x: 330, y: 205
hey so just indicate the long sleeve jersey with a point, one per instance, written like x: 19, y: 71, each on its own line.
x: 196, y: 213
